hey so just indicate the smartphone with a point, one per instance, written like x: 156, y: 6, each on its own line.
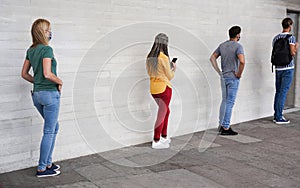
x: 174, y: 59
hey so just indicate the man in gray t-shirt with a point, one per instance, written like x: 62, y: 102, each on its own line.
x: 232, y: 65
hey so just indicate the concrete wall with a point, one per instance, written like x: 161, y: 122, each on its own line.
x: 297, y: 71
x: 101, y: 46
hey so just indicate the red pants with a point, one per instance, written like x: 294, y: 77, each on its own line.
x: 161, y: 124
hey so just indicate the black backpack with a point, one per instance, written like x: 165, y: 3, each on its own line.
x: 281, y: 55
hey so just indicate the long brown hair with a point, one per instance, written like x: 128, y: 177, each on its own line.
x: 38, y: 32
x: 160, y: 45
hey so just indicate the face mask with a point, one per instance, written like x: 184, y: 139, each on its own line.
x: 238, y: 39
x: 50, y: 36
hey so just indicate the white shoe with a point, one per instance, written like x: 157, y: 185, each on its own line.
x: 165, y: 140
x: 160, y: 145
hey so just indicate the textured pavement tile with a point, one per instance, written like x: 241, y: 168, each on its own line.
x: 165, y: 166
x: 180, y: 147
x: 125, y: 170
x: 122, y: 162
x: 279, y: 164
x: 120, y: 182
x: 96, y: 172
x: 193, y: 158
x: 276, y: 133
x: 265, y: 152
x: 262, y: 159
x: 273, y: 148
x: 220, y: 140
x: 184, y: 138
x: 278, y: 182
x: 288, y: 142
x: 68, y: 177
x: 155, y: 157
x: 255, y: 174
x: 200, y: 145
x: 125, y: 152
x: 25, y: 179
x: 176, y: 141
x: 223, y: 177
x: 82, y: 184
x: 230, y: 153
x: 174, y: 178
x: 205, y: 140
x: 242, y: 138
x: 81, y: 161
x: 240, y: 162
x: 285, y: 171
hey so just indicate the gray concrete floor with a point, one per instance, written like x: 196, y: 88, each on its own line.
x: 262, y: 155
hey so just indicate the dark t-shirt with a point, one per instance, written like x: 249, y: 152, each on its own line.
x: 35, y: 55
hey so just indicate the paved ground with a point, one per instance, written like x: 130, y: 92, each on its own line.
x: 263, y: 155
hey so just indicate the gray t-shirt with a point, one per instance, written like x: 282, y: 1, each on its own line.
x: 229, y: 51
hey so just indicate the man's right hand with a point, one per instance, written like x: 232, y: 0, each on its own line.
x: 59, y: 88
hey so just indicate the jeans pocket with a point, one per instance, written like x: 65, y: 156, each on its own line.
x: 58, y: 95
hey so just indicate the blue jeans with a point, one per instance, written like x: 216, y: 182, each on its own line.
x: 284, y: 79
x: 47, y: 103
x: 229, y: 91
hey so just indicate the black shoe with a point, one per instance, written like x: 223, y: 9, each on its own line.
x: 220, y: 128
x: 228, y: 132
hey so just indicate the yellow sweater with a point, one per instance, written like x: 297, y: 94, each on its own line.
x: 161, y: 79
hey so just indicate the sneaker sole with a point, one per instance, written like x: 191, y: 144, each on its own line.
x: 166, y: 147
x: 161, y: 147
x: 228, y: 134
x: 49, y: 175
x: 282, y: 123
x: 167, y: 142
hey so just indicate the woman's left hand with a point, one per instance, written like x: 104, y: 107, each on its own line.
x: 174, y: 66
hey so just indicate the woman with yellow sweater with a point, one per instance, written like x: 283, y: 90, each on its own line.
x: 160, y: 72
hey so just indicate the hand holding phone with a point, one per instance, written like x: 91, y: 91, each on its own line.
x: 174, y: 59
x: 173, y: 65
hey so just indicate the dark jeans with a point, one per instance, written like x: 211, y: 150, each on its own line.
x: 284, y: 79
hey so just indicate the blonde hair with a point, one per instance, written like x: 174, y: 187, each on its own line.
x: 38, y: 29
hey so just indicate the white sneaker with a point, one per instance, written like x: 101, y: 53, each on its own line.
x: 160, y: 145
x: 165, y: 140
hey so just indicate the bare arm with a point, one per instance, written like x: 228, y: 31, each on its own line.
x: 25, y: 71
x: 294, y: 48
x: 213, y: 60
x: 242, y: 65
x: 49, y: 75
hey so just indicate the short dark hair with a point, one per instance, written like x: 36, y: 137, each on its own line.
x: 286, y: 23
x: 234, y: 31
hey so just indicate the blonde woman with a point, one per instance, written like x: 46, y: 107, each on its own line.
x: 161, y: 72
x: 46, y: 92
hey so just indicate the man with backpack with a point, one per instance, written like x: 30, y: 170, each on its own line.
x: 283, y: 52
